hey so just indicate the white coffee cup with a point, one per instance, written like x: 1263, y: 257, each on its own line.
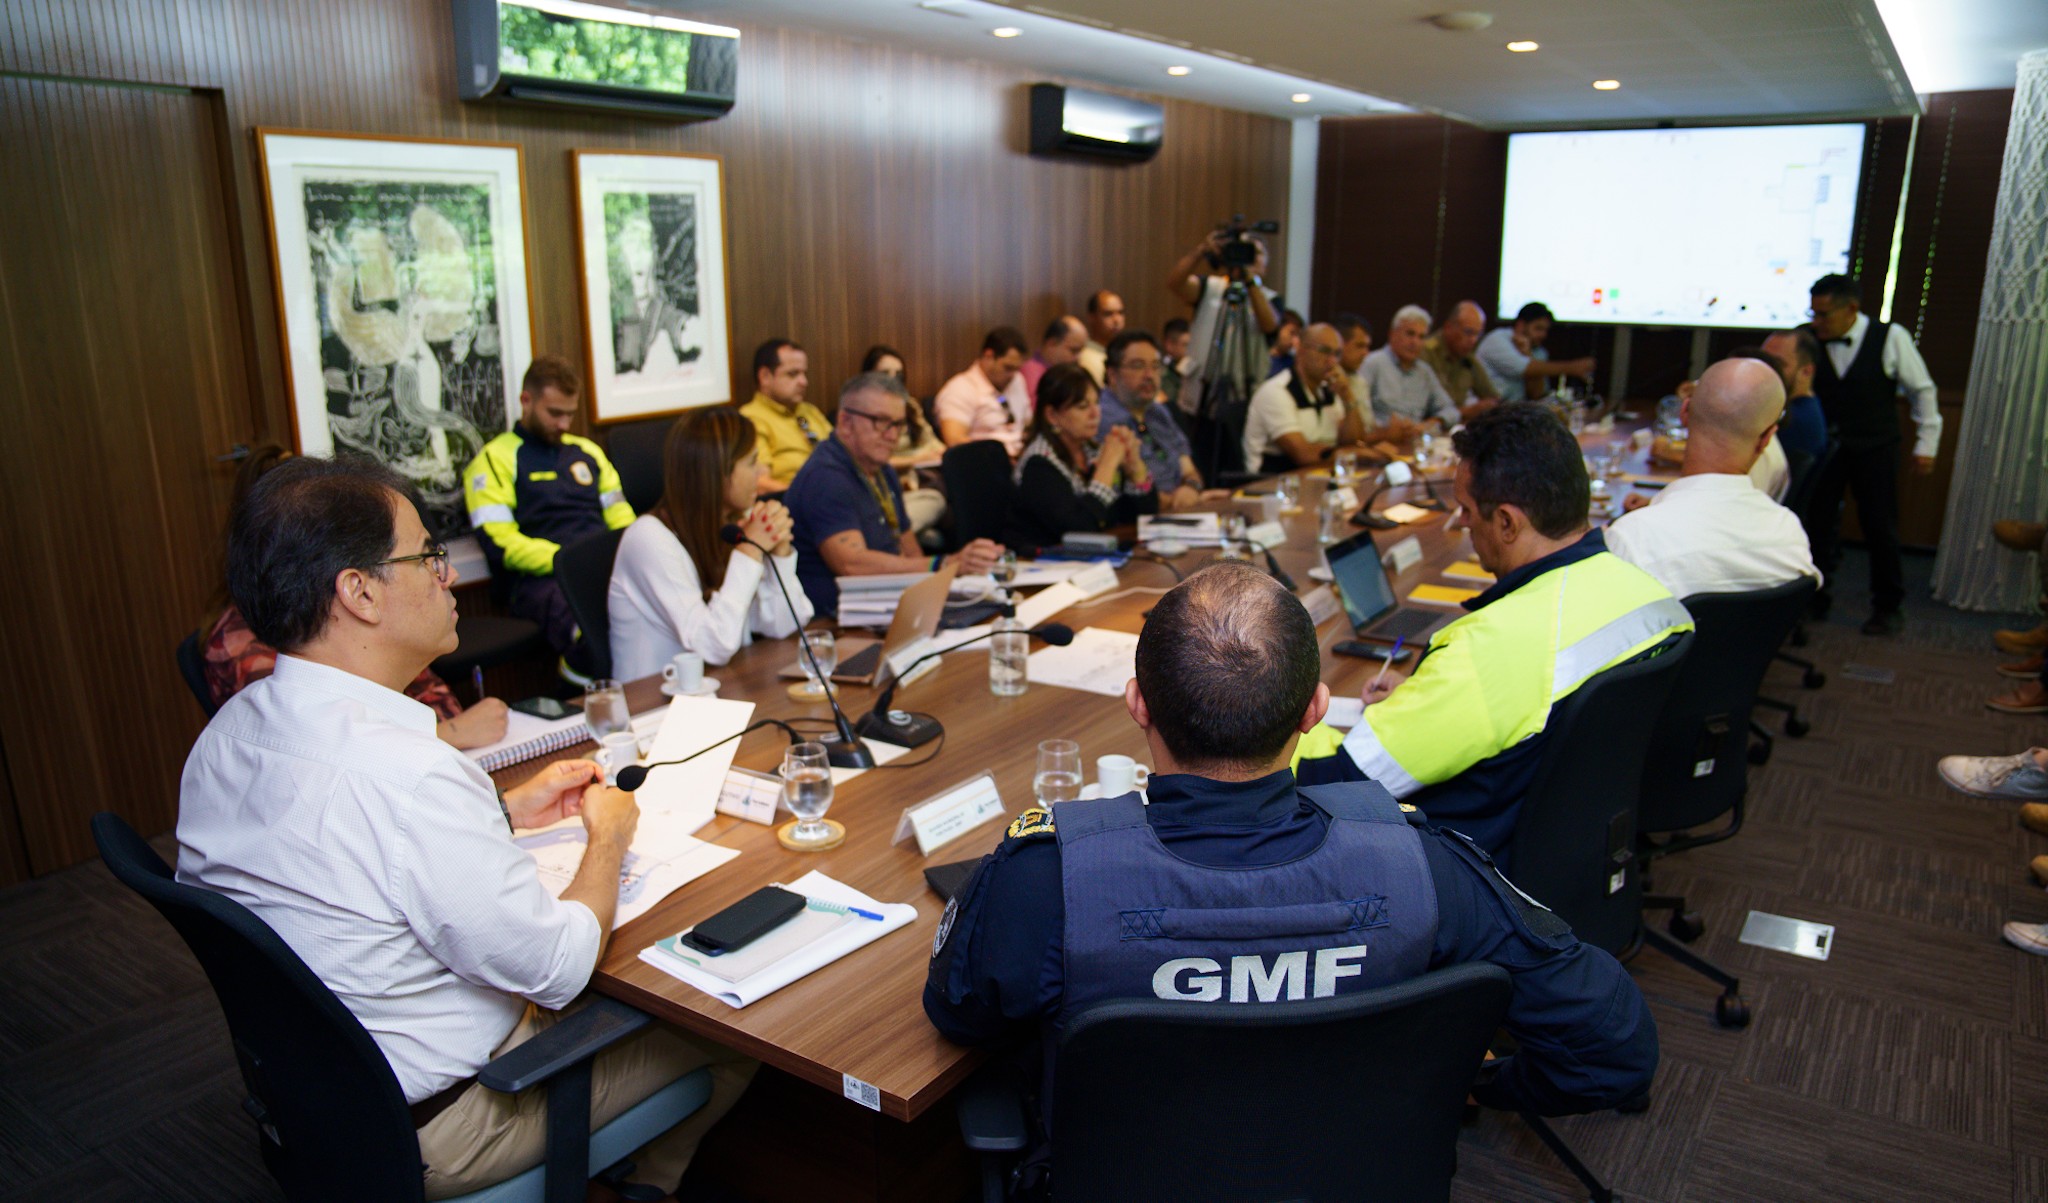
x: 1269, y: 508
x: 685, y: 673
x: 1119, y: 775
x: 618, y: 750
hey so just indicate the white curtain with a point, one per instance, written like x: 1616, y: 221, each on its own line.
x: 2002, y: 449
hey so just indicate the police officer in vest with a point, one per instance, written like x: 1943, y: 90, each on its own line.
x: 1858, y: 382
x: 1230, y: 854
x: 537, y: 488
x: 1460, y: 736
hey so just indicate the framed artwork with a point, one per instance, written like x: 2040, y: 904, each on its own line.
x: 651, y: 257
x: 402, y: 295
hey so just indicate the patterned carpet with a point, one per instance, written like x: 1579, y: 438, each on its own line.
x: 1911, y: 1065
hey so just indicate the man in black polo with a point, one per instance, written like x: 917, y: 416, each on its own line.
x: 1865, y: 366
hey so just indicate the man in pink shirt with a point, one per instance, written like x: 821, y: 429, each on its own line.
x: 1063, y: 342
x: 988, y: 400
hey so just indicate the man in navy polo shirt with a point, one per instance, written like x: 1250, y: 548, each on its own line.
x: 1131, y: 398
x: 847, y: 504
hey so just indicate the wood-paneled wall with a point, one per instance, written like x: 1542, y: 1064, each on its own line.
x: 874, y: 195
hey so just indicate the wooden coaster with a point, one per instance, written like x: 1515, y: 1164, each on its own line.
x: 786, y: 837
x: 804, y: 691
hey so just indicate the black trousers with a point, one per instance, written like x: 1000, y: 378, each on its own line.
x: 540, y: 599
x: 1872, y: 474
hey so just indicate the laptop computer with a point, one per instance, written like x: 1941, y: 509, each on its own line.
x: 917, y: 617
x: 1367, y: 591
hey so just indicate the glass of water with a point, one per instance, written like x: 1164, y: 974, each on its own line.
x: 1288, y: 490
x: 1345, y: 470
x: 1331, y: 528
x: 1234, y: 530
x: 825, y: 653
x: 604, y: 709
x: 1009, y: 656
x: 807, y: 788
x: 1058, y: 778
x: 1004, y: 570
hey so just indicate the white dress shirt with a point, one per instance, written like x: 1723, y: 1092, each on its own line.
x: 1772, y: 472
x: 1713, y: 533
x: 971, y: 399
x: 657, y: 605
x: 1901, y: 361
x: 323, y: 802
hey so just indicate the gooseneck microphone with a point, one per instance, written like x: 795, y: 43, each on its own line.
x: 1273, y: 566
x: 633, y: 776
x: 911, y: 733
x: 846, y: 752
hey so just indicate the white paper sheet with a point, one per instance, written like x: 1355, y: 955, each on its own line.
x: 664, y: 857
x: 1040, y: 607
x: 1345, y: 713
x: 1098, y: 661
x: 1033, y: 573
x: 690, y: 790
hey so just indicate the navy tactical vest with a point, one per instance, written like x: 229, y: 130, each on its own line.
x: 1358, y: 912
x: 1862, y: 402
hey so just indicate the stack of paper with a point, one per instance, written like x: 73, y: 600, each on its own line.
x: 1194, y: 530
x: 843, y: 938
x: 664, y: 858
x: 1097, y: 661
x: 870, y: 601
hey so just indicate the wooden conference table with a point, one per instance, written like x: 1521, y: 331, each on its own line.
x: 862, y: 1017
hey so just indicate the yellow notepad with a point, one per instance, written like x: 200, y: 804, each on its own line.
x: 1469, y: 570
x: 1440, y: 595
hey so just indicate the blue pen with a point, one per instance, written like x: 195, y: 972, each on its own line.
x: 476, y: 675
x: 1389, y: 661
x: 865, y: 914
x: 840, y: 908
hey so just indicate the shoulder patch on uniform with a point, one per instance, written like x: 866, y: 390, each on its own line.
x: 1034, y: 821
x: 580, y: 471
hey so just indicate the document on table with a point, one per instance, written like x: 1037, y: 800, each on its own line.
x: 690, y: 790
x: 664, y: 857
x: 1097, y: 661
x: 1194, y: 530
x: 1033, y: 573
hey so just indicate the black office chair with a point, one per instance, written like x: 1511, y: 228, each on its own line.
x: 636, y: 451
x: 979, y: 489
x: 584, y: 569
x: 330, y: 1118
x: 192, y: 667
x: 488, y: 640
x: 1353, y: 1097
x: 1807, y: 471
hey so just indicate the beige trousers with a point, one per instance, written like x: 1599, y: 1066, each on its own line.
x: 486, y: 1137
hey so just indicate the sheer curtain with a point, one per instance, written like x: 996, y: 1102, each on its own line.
x: 2002, y: 448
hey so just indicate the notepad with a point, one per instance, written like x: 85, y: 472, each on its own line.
x: 1404, y: 513
x: 802, y: 962
x: 1440, y: 595
x: 803, y: 929
x: 1469, y: 570
x: 527, y: 737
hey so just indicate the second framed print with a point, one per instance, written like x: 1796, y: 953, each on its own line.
x: 651, y: 264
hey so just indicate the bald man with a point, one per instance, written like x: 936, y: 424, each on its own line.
x: 1297, y: 419
x: 1448, y: 352
x: 1712, y: 530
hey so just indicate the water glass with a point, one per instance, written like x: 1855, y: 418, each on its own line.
x: 1009, y: 651
x: 1058, y: 778
x: 1288, y: 490
x: 807, y: 788
x: 823, y: 659
x: 1345, y: 469
x: 1331, y: 528
x: 1004, y: 570
x: 1425, y: 450
x: 1234, y: 530
x: 604, y: 709
x: 1575, y: 418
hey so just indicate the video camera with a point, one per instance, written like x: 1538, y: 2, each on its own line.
x: 1238, y: 248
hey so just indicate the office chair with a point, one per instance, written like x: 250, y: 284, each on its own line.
x: 979, y: 490
x: 1353, y: 1097
x: 636, y: 452
x: 192, y: 667
x: 1807, y: 471
x: 584, y: 569
x: 332, y: 1124
x: 488, y: 640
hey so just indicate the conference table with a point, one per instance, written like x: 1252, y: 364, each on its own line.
x: 859, y: 1021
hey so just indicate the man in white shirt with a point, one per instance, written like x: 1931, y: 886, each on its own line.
x: 1402, y: 384
x: 1296, y: 420
x: 1712, y: 530
x: 320, y: 799
x: 1865, y: 367
x: 988, y: 400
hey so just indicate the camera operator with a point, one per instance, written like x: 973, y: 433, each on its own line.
x: 1201, y: 276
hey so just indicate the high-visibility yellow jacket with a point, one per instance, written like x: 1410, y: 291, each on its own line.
x: 528, y: 497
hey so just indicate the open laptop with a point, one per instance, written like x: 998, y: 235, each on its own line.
x: 1367, y: 592
x: 917, y: 617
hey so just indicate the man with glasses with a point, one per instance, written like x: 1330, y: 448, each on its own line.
x: 1131, y: 400
x: 1858, y: 380
x: 988, y: 400
x: 790, y: 427
x: 847, y: 504
x: 1296, y: 419
x: 536, y: 489
x: 320, y: 799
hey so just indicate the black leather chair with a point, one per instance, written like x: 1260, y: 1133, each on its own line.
x: 329, y: 1116
x: 636, y: 451
x: 979, y: 489
x: 488, y: 640
x: 1807, y: 471
x: 1352, y: 1097
x: 584, y: 569
x: 192, y: 667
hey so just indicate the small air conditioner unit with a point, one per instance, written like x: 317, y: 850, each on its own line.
x: 1079, y: 122
x: 591, y: 56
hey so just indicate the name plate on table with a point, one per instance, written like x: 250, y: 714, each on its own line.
x: 750, y: 795
x: 1404, y: 555
x: 941, y: 819
x: 1267, y: 534
x: 1322, y: 604
x: 908, y: 656
x: 1096, y: 578
x: 1347, y: 498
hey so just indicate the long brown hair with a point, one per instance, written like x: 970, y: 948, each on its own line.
x: 1060, y: 388
x: 704, y: 446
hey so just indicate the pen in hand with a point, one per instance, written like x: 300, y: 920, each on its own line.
x: 1388, y: 663
x: 476, y: 676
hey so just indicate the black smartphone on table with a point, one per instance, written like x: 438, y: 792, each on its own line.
x: 746, y: 921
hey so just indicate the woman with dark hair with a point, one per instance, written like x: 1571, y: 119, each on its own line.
x: 676, y: 586
x: 1065, y: 481
x: 234, y: 658
x: 916, y: 445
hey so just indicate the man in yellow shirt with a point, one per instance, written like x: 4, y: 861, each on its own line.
x: 1449, y: 353
x: 790, y: 428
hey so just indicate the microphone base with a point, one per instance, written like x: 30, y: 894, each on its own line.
x: 1372, y: 521
x: 842, y: 754
x: 915, y: 733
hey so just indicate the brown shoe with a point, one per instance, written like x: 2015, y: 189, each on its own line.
x: 2040, y: 867
x: 2020, y: 536
x: 2031, y: 698
x: 2022, y: 643
x: 2034, y: 816
x: 2025, y: 670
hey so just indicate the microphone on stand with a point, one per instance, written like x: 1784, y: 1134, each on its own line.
x: 910, y: 731
x: 633, y: 776
x: 1396, y: 473
x: 846, y: 752
x: 1273, y: 566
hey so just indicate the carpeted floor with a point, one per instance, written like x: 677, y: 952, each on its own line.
x: 1911, y: 1065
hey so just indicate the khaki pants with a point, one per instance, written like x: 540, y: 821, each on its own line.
x: 486, y: 1137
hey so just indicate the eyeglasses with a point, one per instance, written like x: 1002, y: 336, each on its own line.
x: 435, y: 556
x: 888, y: 426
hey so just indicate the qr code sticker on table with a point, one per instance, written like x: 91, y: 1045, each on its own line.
x: 861, y: 1092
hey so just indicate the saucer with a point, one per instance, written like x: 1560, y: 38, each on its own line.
x: 1093, y: 790
x: 1167, y: 547
x: 705, y: 688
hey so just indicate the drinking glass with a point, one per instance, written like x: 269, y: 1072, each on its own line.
x: 1345, y: 470
x: 1425, y: 451
x: 1009, y: 653
x: 1574, y: 417
x: 825, y: 653
x: 1331, y: 528
x: 1004, y: 570
x: 604, y: 709
x: 807, y: 788
x: 1234, y: 530
x: 1288, y: 490
x: 1058, y: 778
x: 1599, y: 464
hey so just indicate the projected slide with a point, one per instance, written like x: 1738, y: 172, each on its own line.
x: 1687, y: 227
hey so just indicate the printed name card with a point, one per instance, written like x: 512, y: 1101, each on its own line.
x: 1096, y: 578
x: 750, y: 795
x: 1404, y: 555
x: 1347, y: 498
x: 951, y: 814
x: 1322, y: 604
x: 1267, y: 534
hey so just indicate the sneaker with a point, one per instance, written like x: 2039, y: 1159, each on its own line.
x: 1995, y: 776
x: 2031, y: 698
x: 2028, y: 937
x: 2020, y: 536
x: 2040, y: 867
x: 1885, y: 622
x: 2025, y: 670
x: 2022, y: 643
x: 2034, y: 817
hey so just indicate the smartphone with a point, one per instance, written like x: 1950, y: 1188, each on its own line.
x: 542, y: 707
x: 1369, y: 651
x: 746, y: 921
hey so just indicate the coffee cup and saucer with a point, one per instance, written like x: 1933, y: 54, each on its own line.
x: 1116, y: 776
x: 683, y: 677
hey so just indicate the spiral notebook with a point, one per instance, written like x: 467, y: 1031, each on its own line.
x: 527, y: 737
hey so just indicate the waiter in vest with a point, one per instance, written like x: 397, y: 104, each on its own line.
x: 1858, y: 383
x: 1220, y: 869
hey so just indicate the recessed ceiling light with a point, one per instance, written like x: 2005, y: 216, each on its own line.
x: 1006, y: 31
x: 1178, y: 70
x: 1521, y: 47
x: 1606, y: 85
x: 1301, y: 98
